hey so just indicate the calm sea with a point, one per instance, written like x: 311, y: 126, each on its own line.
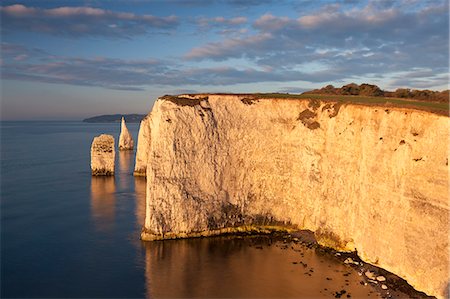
x: 65, y: 234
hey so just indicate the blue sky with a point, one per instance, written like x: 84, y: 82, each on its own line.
x: 74, y: 59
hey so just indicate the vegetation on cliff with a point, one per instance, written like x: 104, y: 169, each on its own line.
x: 363, y: 97
x: 374, y: 91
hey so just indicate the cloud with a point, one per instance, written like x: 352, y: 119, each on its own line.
x: 345, y: 41
x: 405, y: 46
x: 270, y: 22
x: 221, y: 25
x: 82, y: 21
x: 247, y: 3
x: 207, y: 22
x: 235, y: 3
x: 18, y: 52
x: 230, y: 48
x: 419, y: 78
x: 122, y: 74
x: 100, y: 71
x: 293, y: 90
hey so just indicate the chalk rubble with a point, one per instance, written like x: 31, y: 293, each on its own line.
x: 102, y: 155
x: 125, y: 140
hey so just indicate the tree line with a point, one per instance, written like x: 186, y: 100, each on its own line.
x: 374, y: 91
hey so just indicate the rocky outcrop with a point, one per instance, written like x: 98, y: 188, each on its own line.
x: 366, y: 178
x: 125, y: 140
x: 143, y: 144
x: 102, y: 155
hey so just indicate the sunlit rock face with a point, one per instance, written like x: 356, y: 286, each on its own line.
x: 102, y: 155
x: 143, y: 143
x: 365, y: 178
x: 125, y: 140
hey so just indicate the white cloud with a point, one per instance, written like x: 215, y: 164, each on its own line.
x: 81, y: 21
x: 348, y: 42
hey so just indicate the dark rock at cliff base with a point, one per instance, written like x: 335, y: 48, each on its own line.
x: 129, y: 118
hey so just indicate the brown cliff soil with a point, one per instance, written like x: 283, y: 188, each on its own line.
x: 441, y: 108
x: 434, y: 107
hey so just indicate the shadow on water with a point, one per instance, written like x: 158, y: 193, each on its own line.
x: 139, y: 188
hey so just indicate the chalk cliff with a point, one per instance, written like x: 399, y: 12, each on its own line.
x: 366, y: 178
x: 102, y: 155
x: 143, y: 143
x: 125, y: 140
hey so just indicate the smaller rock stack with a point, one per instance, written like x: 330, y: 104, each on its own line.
x: 125, y: 140
x: 103, y: 155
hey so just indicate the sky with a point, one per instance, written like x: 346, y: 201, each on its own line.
x: 68, y: 60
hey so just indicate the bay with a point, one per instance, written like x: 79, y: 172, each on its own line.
x: 66, y: 234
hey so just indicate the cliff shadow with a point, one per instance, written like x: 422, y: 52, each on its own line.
x: 140, y: 185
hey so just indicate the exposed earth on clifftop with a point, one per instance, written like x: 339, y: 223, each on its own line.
x: 441, y: 108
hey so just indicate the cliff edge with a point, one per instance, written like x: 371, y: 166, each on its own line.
x: 365, y: 178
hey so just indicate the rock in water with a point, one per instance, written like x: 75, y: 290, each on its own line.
x: 370, y: 275
x: 125, y: 140
x: 102, y: 155
x: 143, y: 145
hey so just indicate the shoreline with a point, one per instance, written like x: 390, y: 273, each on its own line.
x: 388, y: 285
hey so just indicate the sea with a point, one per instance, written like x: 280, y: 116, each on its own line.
x: 66, y: 234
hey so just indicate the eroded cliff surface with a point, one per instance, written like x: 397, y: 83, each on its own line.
x: 363, y: 178
x: 102, y: 155
x: 143, y: 144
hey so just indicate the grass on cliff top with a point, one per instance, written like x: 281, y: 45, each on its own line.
x: 435, y: 107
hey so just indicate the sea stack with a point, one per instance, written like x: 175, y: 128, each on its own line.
x: 125, y: 140
x: 143, y: 143
x: 102, y: 155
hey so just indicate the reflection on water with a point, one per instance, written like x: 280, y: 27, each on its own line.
x: 139, y: 188
x: 125, y: 167
x: 103, y: 200
x: 245, y: 267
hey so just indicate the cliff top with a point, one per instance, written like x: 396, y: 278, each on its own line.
x: 433, y: 107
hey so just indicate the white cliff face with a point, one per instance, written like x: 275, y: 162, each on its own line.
x: 125, y: 140
x: 102, y: 155
x: 365, y: 178
x: 143, y: 145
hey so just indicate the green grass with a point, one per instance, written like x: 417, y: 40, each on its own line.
x: 441, y: 108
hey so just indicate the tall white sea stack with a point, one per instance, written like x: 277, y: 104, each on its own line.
x: 125, y: 140
x: 102, y: 155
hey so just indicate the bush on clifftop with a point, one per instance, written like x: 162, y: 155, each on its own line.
x: 374, y: 91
